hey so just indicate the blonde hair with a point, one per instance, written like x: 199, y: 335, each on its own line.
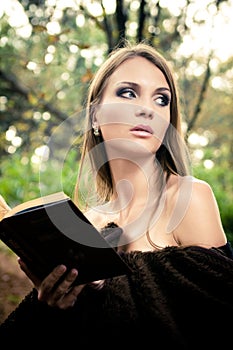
x: 172, y: 154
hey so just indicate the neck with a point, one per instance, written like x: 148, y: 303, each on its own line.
x: 136, y: 185
x: 138, y: 182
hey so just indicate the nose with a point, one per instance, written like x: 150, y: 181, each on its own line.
x: 144, y: 112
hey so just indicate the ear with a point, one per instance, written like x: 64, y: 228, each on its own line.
x: 95, y: 124
x: 94, y: 118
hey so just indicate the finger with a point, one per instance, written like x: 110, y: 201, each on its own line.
x: 64, y: 287
x: 71, y: 297
x: 50, y: 281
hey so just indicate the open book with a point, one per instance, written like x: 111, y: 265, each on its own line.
x: 52, y: 230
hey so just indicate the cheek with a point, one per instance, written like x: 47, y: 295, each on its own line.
x: 115, y: 113
x: 109, y: 132
x: 160, y: 125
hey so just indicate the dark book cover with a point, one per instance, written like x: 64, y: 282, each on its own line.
x: 59, y: 233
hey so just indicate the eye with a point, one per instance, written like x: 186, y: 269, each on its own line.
x: 126, y: 93
x: 163, y: 100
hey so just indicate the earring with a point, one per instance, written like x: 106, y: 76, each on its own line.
x: 96, y: 131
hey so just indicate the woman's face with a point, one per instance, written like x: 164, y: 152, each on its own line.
x: 135, y: 105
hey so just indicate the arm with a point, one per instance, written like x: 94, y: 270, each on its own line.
x: 201, y: 223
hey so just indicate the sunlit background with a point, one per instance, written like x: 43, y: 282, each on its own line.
x: 214, y: 34
x: 209, y: 33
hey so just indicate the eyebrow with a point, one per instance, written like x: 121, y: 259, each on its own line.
x: 135, y: 85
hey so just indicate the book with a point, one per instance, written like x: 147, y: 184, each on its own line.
x: 52, y: 230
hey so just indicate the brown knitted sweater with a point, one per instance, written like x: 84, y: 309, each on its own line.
x: 174, y: 297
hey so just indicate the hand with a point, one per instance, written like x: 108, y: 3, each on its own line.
x: 62, y: 295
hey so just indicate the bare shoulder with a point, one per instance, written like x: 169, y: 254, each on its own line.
x: 192, y: 188
x: 203, y: 197
x: 199, y: 215
x: 198, y: 181
x: 202, y: 191
x: 183, y: 190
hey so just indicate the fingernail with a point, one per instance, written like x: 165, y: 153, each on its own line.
x: 61, y: 268
x: 74, y: 272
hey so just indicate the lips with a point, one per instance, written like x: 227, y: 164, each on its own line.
x: 142, y: 127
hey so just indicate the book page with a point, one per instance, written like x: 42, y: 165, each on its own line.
x: 4, y: 207
x: 54, y: 197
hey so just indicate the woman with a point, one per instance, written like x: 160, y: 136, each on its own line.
x: 170, y: 221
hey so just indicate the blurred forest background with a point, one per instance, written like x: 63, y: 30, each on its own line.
x: 50, y: 50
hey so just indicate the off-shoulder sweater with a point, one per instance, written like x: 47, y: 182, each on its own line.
x: 178, y: 296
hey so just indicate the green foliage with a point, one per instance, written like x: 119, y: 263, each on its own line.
x: 21, y: 181
x: 221, y: 181
x: 18, y: 181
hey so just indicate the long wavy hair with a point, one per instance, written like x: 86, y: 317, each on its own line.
x: 172, y: 154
